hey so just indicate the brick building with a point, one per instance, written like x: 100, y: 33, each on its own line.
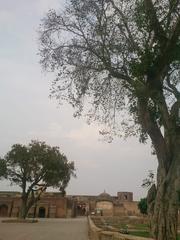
x: 53, y: 205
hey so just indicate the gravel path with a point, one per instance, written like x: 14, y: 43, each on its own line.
x: 46, y: 229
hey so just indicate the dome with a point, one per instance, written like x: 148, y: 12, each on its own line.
x: 104, y: 197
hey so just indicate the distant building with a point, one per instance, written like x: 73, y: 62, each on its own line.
x: 53, y: 205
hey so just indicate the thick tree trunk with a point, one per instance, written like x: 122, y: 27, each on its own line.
x: 163, y: 200
x: 163, y: 206
x: 164, y: 221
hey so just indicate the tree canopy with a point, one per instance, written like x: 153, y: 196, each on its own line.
x: 34, y: 168
x: 123, y: 57
x: 115, y: 52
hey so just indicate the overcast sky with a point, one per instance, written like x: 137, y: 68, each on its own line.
x: 26, y: 112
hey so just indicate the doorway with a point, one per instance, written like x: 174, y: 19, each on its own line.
x: 42, y: 212
x: 81, y: 209
x: 3, y: 210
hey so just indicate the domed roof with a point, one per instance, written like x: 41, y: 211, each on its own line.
x: 104, y: 197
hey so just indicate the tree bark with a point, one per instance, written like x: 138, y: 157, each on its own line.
x: 28, y: 200
x: 23, y: 210
x: 164, y: 221
x: 163, y: 200
x: 163, y: 208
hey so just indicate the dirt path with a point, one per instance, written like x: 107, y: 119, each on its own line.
x: 46, y: 229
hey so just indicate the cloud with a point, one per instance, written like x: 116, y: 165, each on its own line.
x: 53, y: 131
x: 86, y: 132
x: 7, y: 22
x: 44, y: 5
x: 86, y: 135
x: 6, y: 17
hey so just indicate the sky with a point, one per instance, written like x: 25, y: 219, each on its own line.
x: 27, y: 112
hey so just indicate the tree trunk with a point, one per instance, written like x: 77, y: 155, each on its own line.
x: 28, y: 200
x: 163, y: 200
x: 24, y: 209
x: 163, y: 208
x: 164, y: 222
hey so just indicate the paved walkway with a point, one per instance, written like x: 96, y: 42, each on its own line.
x: 46, y: 229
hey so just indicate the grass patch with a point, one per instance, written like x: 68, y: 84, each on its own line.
x: 140, y: 234
x: 145, y: 234
x: 123, y: 225
x: 141, y: 226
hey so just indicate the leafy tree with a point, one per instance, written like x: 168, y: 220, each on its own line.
x: 34, y: 168
x: 124, y: 57
x: 142, y: 205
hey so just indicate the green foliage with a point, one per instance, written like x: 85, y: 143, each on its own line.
x: 37, y: 164
x: 142, y: 205
x: 34, y: 168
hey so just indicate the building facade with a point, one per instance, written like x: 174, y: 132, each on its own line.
x: 53, y: 205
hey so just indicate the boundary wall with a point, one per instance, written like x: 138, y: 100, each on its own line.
x: 96, y: 233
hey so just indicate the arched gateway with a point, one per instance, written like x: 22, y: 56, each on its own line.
x: 3, y: 210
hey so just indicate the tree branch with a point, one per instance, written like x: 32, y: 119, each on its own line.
x: 124, y: 19
x: 154, y: 132
x: 172, y: 88
x: 154, y: 22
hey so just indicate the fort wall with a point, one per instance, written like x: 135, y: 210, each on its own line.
x: 54, y: 205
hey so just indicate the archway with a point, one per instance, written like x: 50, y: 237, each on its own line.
x: 3, y: 210
x: 81, y: 209
x: 42, y: 212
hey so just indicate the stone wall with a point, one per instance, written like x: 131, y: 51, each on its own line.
x: 131, y: 208
x: 54, y: 205
x: 106, y: 207
x: 10, y: 203
x: 51, y: 205
x: 126, y: 209
x: 96, y: 233
x: 119, y: 210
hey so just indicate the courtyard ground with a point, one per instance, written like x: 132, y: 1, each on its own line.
x: 46, y: 229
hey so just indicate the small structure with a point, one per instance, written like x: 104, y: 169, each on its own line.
x: 125, y: 196
x: 104, y: 204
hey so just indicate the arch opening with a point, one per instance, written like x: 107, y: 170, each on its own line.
x: 3, y: 210
x: 42, y: 212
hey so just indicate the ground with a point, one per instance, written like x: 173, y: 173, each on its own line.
x: 46, y: 229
